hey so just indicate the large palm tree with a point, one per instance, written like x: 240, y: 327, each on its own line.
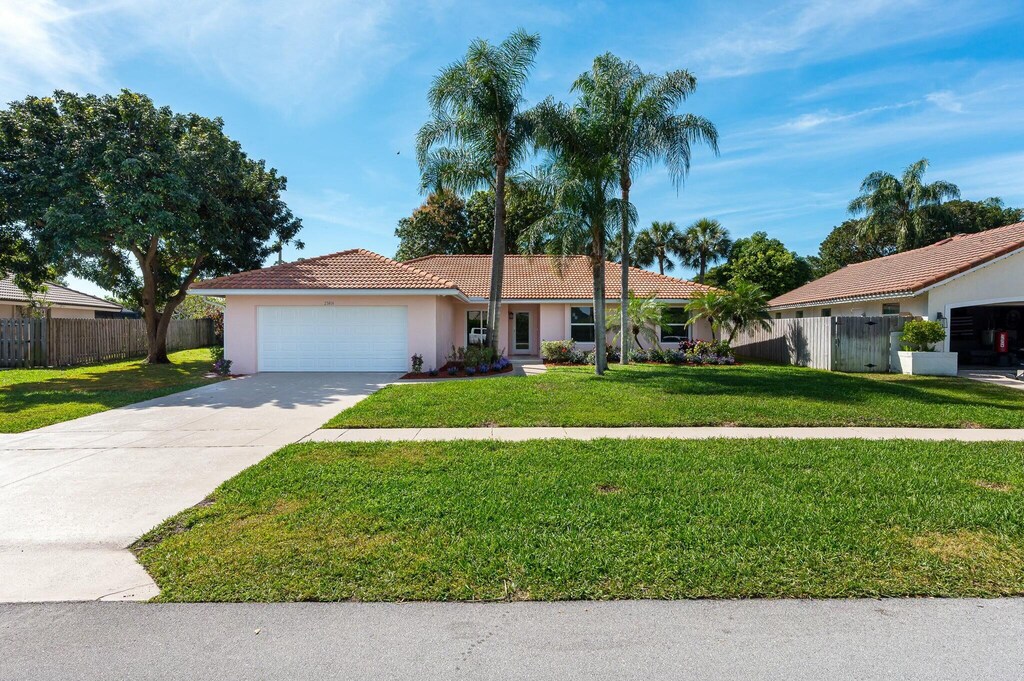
x: 581, y: 177
x: 899, y: 206
x: 661, y: 242
x: 707, y: 242
x: 477, y: 134
x: 639, y: 112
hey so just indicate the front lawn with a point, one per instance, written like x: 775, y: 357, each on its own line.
x: 639, y: 395
x: 32, y: 398
x: 560, y: 519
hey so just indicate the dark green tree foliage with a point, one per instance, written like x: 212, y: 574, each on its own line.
x: 766, y: 262
x: 438, y: 226
x: 850, y: 243
x: 138, y: 199
x: 447, y: 224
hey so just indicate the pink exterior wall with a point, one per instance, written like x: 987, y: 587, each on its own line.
x: 445, y: 330
x: 240, y: 322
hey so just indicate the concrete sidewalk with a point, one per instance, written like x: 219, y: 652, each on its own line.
x: 684, y: 433
x: 791, y: 640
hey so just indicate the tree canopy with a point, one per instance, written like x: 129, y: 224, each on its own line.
x: 764, y: 261
x: 136, y: 198
x: 447, y: 224
x: 850, y: 243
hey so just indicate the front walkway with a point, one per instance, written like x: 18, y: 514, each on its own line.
x: 74, y: 495
x: 683, y: 433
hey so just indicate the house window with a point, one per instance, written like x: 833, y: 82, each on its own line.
x: 778, y: 315
x: 826, y: 312
x: 475, y: 319
x: 581, y: 324
x: 675, y: 325
x: 890, y: 308
x: 799, y: 314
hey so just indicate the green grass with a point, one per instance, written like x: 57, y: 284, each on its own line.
x: 32, y: 398
x: 748, y: 395
x: 561, y: 519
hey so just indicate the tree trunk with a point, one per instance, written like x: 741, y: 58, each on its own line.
x: 703, y: 268
x: 497, y: 262
x: 624, y: 298
x: 600, y: 349
x: 661, y: 264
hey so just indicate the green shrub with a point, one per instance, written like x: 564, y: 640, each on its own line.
x: 922, y: 335
x: 558, y: 351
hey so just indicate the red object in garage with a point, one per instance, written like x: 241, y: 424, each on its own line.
x: 1002, y: 341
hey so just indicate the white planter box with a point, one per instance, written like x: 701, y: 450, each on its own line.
x: 928, y: 363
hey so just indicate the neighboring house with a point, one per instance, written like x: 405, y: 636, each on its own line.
x: 359, y: 311
x: 54, y: 301
x: 972, y: 283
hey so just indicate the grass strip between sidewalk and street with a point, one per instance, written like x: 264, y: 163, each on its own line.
x: 561, y: 519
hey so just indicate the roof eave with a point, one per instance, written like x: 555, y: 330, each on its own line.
x: 329, y: 292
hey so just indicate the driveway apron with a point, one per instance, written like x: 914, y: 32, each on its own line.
x: 74, y: 495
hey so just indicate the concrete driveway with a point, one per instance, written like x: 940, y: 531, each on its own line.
x: 75, y: 494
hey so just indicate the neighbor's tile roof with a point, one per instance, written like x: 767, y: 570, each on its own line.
x: 353, y: 269
x: 536, y: 277
x: 55, y: 294
x: 909, y: 272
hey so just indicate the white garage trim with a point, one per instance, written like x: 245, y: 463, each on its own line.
x: 332, y: 338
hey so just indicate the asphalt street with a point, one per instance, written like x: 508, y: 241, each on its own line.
x: 791, y: 640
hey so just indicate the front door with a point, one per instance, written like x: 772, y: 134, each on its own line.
x: 521, y: 334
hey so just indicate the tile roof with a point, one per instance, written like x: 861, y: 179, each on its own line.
x: 55, y: 294
x: 533, y: 277
x: 909, y: 272
x: 536, y: 277
x: 352, y: 269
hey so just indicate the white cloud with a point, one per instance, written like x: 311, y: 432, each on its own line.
x: 43, y: 49
x: 946, y: 100
x: 297, y: 56
x: 812, y: 31
x: 302, y: 57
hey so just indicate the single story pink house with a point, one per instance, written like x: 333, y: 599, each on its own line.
x: 360, y: 311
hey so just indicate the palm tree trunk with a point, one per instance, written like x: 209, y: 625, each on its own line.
x: 703, y: 268
x: 661, y: 264
x: 497, y: 262
x: 624, y: 298
x: 600, y: 350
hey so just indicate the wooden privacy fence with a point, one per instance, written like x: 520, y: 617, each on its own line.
x: 67, y: 342
x: 854, y: 344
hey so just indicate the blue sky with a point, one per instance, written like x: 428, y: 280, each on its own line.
x: 808, y: 97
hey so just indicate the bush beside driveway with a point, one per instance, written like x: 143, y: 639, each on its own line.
x: 560, y: 519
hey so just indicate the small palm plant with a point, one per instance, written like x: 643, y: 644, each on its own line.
x: 747, y: 308
x: 712, y: 306
x: 645, y: 316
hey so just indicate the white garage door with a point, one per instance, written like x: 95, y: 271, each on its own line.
x: 332, y: 338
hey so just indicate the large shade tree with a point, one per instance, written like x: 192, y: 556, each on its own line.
x: 136, y: 198
x: 581, y: 178
x: 707, y: 242
x: 661, y: 243
x: 639, y: 112
x: 478, y: 135
x: 762, y: 260
x: 900, y: 205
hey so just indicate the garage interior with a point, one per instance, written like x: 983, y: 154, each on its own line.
x: 974, y: 334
